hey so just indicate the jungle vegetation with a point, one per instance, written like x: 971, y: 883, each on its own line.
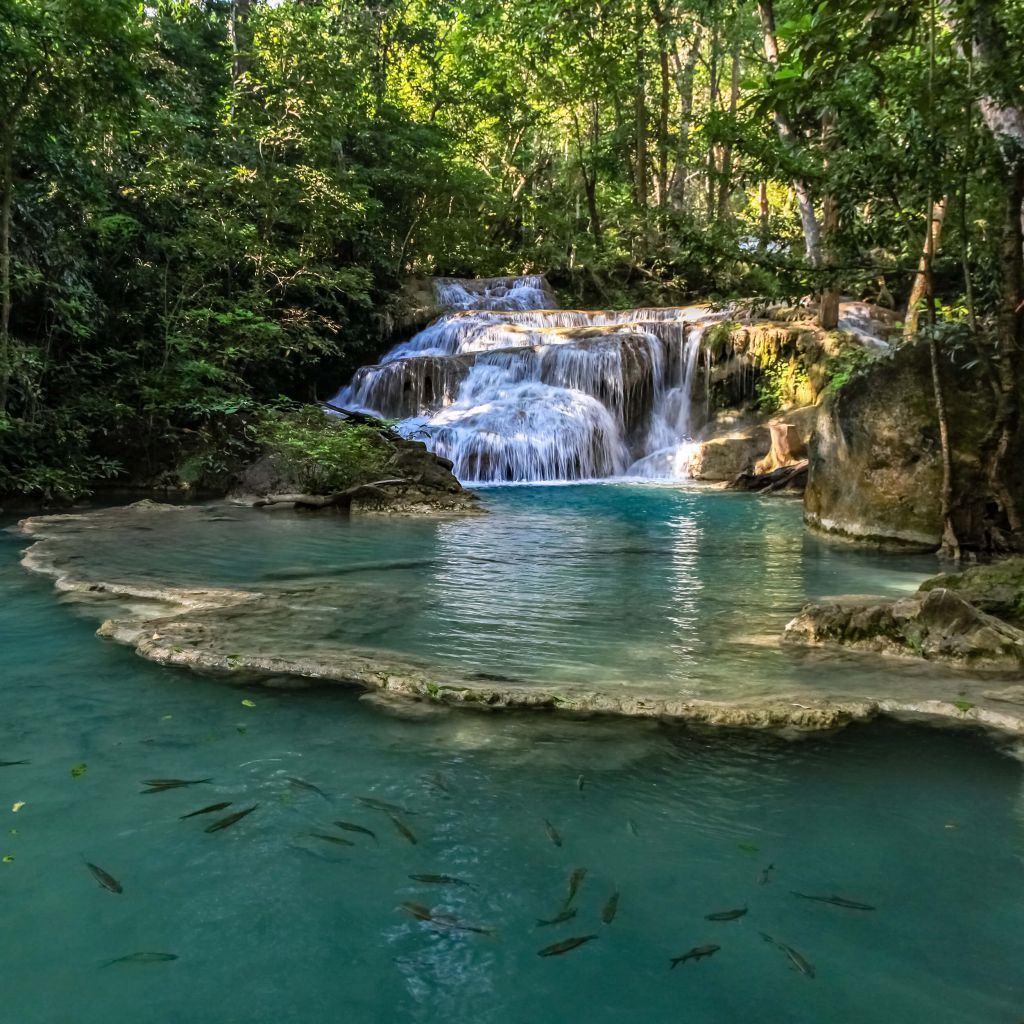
x: 206, y: 205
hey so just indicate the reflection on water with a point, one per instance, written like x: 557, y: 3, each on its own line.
x: 272, y: 925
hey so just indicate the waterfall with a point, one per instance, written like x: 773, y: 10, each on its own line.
x: 512, y: 389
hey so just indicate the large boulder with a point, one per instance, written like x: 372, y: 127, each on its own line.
x: 726, y: 457
x: 875, y: 458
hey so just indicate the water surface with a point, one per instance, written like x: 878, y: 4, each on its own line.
x: 272, y: 925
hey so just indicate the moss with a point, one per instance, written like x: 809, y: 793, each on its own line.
x: 780, y: 381
x: 324, y: 453
x: 997, y: 588
x: 841, y: 368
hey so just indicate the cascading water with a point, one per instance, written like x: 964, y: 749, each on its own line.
x: 512, y: 389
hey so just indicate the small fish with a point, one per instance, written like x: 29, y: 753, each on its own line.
x: 159, y: 785
x: 631, y: 826
x: 418, y: 910
x: 552, y: 833
x: 766, y: 875
x: 332, y: 839
x: 697, y: 953
x: 206, y: 810
x: 423, y: 913
x: 726, y: 915
x: 437, y: 780
x: 11, y: 764
x: 611, y: 908
x: 797, y: 960
x: 440, y: 880
x: 141, y: 958
x: 575, y: 879
x: 230, y: 819
x: 302, y: 784
x: 580, y: 783
x: 566, y: 915
x: 836, y: 901
x: 106, y: 880
x: 380, y: 805
x: 403, y: 828
x: 350, y: 826
x: 558, y: 948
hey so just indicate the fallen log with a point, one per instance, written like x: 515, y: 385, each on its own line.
x: 786, y: 478
x: 340, y: 499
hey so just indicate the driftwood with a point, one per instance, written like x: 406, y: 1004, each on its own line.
x: 788, y: 477
x: 340, y: 499
x: 354, y: 416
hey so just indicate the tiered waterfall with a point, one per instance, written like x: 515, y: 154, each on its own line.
x: 513, y: 389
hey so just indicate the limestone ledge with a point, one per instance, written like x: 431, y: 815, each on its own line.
x: 158, y: 641
x: 204, y: 630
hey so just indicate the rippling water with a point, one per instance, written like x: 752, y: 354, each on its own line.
x: 273, y: 925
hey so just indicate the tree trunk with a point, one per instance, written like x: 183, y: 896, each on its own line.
x: 764, y: 212
x: 241, y: 38
x: 684, y: 88
x: 920, y: 290
x: 812, y: 234
x: 713, y: 91
x: 1005, y: 465
x: 640, y: 112
x: 7, y: 158
x: 725, y: 182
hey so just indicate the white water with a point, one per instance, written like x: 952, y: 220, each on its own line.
x: 511, y: 389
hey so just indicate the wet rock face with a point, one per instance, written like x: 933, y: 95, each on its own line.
x: 875, y: 460
x: 936, y: 624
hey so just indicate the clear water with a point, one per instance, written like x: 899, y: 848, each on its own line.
x: 655, y: 589
x: 272, y: 925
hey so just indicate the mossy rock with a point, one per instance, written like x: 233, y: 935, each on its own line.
x: 997, y: 588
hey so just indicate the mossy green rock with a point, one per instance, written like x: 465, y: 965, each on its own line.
x: 937, y: 625
x: 875, y: 459
x: 997, y: 589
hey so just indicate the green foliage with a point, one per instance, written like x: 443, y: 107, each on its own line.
x: 779, y: 381
x: 324, y: 453
x: 846, y: 364
x: 195, y: 231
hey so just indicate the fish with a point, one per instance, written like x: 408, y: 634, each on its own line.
x: 611, y: 908
x: 403, y: 828
x: 302, y: 784
x: 836, y: 901
x: 418, y: 910
x: 565, y: 946
x: 697, y: 953
x: 11, y: 764
x: 159, y: 785
x: 580, y: 783
x: 206, y: 810
x: 631, y: 826
x: 565, y: 915
x: 349, y: 826
x: 726, y: 915
x: 440, y: 880
x: 230, y: 819
x: 575, y: 880
x: 332, y: 839
x: 107, y: 881
x: 380, y: 805
x: 797, y: 960
x: 552, y: 833
x: 765, y: 874
x: 437, y: 780
x: 141, y: 958
x: 424, y: 913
